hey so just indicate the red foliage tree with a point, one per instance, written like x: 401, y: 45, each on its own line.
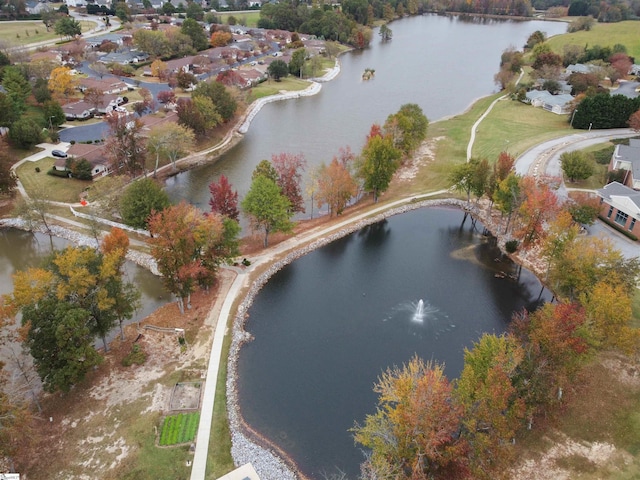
x: 230, y: 78
x: 224, y: 200
x: 166, y: 96
x: 335, y: 186
x: 289, y: 168
x: 540, y: 205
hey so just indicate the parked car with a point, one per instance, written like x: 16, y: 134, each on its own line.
x: 59, y: 153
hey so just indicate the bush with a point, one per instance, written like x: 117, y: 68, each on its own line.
x: 136, y: 355
x: 37, y: 169
x: 59, y: 173
x: 511, y: 246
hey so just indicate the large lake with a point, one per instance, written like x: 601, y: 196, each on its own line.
x: 330, y: 323
x: 441, y: 63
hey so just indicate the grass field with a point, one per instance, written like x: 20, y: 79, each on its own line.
x: 603, y: 34
x: 29, y: 31
x: 56, y: 188
x: 250, y: 19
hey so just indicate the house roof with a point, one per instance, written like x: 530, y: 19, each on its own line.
x: 581, y: 68
x: 77, y: 108
x: 549, y: 99
x: 621, y: 194
x: 102, y: 85
x: 95, y: 154
x: 630, y: 154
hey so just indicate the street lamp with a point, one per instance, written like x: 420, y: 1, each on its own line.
x: 572, y: 116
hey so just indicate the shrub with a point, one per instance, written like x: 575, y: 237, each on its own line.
x: 37, y: 169
x: 136, y: 355
x: 511, y: 246
x: 59, y: 173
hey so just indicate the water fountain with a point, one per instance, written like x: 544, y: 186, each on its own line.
x: 418, y: 315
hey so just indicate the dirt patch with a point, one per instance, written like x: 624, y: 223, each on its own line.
x: 186, y: 396
x: 422, y: 157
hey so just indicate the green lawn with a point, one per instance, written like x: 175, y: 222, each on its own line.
x: 33, y: 31
x: 603, y: 34
x: 56, y: 188
x: 271, y: 87
x: 250, y: 18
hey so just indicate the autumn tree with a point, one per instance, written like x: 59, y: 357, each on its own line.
x: 336, y: 186
x: 146, y: 102
x: 94, y: 97
x: 186, y: 244
x: 198, y: 114
x: 587, y: 261
x: 224, y: 200
x: 493, y: 409
x: 220, y: 38
x: 192, y: 29
x: 539, y: 205
x: 62, y: 83
x: 408, y: 127
x: 576, y: 165
x: 125, y: 298
x: 170, y: 141
x: 166, y: 96
x: 125, y: 146
x: 414, y: 433
x: 141, y: 199
x: 379, y: 161
x: 289, y: 168
x: 620, y: 64
x: 508, y: 197
x: 268, y: 209
x: 556, y: 343
x: 159, y: 69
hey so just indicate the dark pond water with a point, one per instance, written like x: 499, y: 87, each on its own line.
x: 327, y: 325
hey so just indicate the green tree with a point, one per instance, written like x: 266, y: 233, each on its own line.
x: 8, y: 112
x: 224, y: 103
x: 194, y: 10
x: 140, y: 200
x: 266, y: 169
x: 385, y: 32
x: 25, y: 132
x: 408, y: 127
x: 379, y: 161
x: 67, y: 27
x: 278, y: 69
x: 414, y: 433
x: 268, y: 209
x: 8, y: 179
x: 297, y: 62
x: 508, y: 197
x: 195, y: 32
x: 17, y: 87
x: 576, y: 165
x: 53, y: 114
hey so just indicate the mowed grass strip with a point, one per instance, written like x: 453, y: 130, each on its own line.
x: 250, y: 19
x: 177, y: 429
x: 53, y: 188
x: 604, y: 34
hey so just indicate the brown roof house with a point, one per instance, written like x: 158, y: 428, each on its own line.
x: 93, y: 153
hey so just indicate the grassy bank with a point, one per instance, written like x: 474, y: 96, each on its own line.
x: 603, y: 34
x: 33, y: 31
